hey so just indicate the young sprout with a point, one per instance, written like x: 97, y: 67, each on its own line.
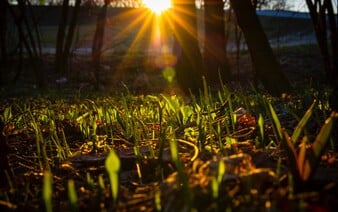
x: 180, y: 169
x: 276, y: 123
x: 304, y: 163
x: 72, y: 196
x: 261, y: 128
x: 158, y: 200
x: 217, y: 180
x: 47, y: 190
x: 112, y: 165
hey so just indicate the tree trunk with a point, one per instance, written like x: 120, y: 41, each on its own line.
x: 189, y: 67
x: 215, y: 57
x: 98, y: 41
x: 70, y: 34
x: 60, y: 37
x: 267, y: 68
x: 319, y: 12
x: 3, y: 38
x: 333, y: 27
x: 64, y: 42
x: 5, y: 170
x: 33, y: 41
x: 26, y: 40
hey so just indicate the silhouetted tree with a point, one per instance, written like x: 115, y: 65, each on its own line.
x: 215, y: 57
x: 324, y: 20
x: 28, y: 38
x: 5, y: 170
x: 64, y: 41
x: 3, y: 37
x: 189, y: 68
x: 266, y: 66
x: 98, y: 40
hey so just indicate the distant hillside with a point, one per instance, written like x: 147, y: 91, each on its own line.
x: 287, y: 27
x: 283, y: 14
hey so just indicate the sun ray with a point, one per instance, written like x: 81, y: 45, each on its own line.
x: 154, y: 34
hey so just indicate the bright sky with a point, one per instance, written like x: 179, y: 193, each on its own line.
x: 298, y: 5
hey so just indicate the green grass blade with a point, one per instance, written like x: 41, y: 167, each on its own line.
x: 299, y: 128
x: 301, y: 160
x: 292, y: 155
x: 321, y: 140
x: 7, y: 114
x: 318, y: 147
x: 72, y: 196
x: 261, y: 127
x: 112, y: 165
x: 276, y: 122
x: 47, y: 191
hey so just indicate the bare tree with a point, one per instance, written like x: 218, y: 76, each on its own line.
x: 324, y: 22
x: 266, y: 66
x: 28, y: 38
x: 64, y: 41
x: 215, y: 57
x: 3, y: 37
x: 189, y: 68
x: 98, y: 40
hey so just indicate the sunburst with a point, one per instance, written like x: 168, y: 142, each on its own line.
x: 158, y: 6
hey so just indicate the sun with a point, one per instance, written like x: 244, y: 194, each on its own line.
x: 158, y: 6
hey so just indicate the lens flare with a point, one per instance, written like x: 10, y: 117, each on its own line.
x: 169, y: 74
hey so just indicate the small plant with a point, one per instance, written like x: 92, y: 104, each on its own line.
x: 40, y: 143
x: 72, y: 196
x: 261, y: 128
x: 276, y: 123
x: 305, y: 161
x: 173, y: 107
x: 112, y: 166
x: 47, y: 190
x: 180, y: 170
x: 217, y: 180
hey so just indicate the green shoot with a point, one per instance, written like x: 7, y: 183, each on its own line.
x: 299, y: 128
x: 216, y: 181
x: 304, y: 163
x: 112, y: 165
x: 276, y: 122
x: 180, y: 170
x: 214, y: 187
x: 90, y: 181
x: 158, y: 200
x: 101, y: 182
x: 261, y: 128
x: 72, y: 196
x: 47, y: 191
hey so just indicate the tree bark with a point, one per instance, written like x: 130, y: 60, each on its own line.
x: 189, y: 68
x: 26, y: 40
x: 320, y: 12
x: 70, y: 34
x: 64, y: 41
x: 98, y: 41
x: 215, y: 57
x: 60, y: 37
x: 5, y: 170
x: 3, y: 38
x: 266, y: 66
